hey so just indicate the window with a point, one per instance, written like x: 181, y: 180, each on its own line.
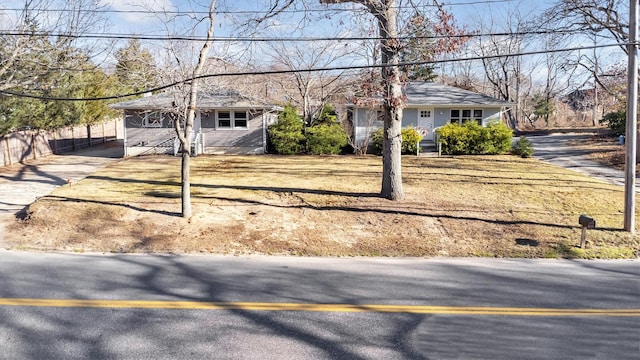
x: 224, y: 119
x: 240, y: 119
x: 425, y: 113
x: 461, y: 116
x: 232, y: 119
x: 455, y: 116
x: 153, y: 119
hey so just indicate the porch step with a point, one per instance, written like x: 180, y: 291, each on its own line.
x: 428, y: 146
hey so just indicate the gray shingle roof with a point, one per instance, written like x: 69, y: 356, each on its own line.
x: 434, y: 94
x: 206, y: 100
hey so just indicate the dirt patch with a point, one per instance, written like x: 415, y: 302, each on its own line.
x: 499, y: 206
x: 603, y: 149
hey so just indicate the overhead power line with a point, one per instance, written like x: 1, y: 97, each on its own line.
x: 144, y: 11
x: 122, y: 36
x: 291, y: 71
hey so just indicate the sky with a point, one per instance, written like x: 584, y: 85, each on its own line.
x: 145, y: 18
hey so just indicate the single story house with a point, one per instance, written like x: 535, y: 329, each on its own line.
x: 430, y: 105
x: 226, y: 122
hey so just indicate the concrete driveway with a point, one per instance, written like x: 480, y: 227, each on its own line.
x: 23, y: 183
x: 555, y: 150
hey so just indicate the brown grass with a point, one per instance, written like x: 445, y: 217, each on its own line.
x: 602, y: 149
x: 499, y: 206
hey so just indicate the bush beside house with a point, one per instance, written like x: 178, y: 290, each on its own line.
x: 410, y: 141
x: 286, y: 135
x: 289, y: 136
x: 326, y: 139
x: 471, y: 138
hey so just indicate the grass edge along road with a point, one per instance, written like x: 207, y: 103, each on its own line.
x: 309, y: 307
x: 487, y: 206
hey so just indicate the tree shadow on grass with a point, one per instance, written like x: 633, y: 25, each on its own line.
x: 77, y: 200
x: 243, y: 187
x: 391, y: 212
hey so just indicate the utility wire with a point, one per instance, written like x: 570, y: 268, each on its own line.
x: 274, y: 39
x: 291, y: 71
x: 241, y: 12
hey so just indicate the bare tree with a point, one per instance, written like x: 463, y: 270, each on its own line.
x: 182, y: 68
x: 385, y: 11
x: 310, y: 90
x: 591, y: 16
x: 38, y: 39
x: 503, y: 72
x: 589, y: 19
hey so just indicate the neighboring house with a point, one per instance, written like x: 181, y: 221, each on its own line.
x: 226, y: 122
x: 429, y: 106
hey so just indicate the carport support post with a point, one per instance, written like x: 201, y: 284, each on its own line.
x: 632, y: 115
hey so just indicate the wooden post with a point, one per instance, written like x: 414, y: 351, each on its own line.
x: 104, y: 136
x: 583, y: 238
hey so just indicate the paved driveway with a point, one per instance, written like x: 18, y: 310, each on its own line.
x: 555, y: 150
x: 21, y: 184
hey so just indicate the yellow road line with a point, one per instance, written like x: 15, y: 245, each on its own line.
x: 257, y: 306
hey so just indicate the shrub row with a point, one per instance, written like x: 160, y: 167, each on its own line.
x: 289, y: 136
x: 471, y: 138
x: 410, y: 141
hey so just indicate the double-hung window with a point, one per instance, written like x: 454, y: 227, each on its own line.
x: 224, y: 120
x: 240, y: 119
x: 232, y: 119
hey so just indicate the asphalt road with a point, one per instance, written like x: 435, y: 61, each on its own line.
x: 155, y: 307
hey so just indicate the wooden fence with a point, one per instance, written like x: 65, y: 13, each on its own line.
x: 33, y: 144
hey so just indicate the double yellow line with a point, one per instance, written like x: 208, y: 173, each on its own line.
x: 260, y: 306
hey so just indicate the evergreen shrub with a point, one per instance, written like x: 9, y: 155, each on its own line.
x: 286, y: 135
x: 326, y: 139
x: 523, y: 147
x: 471, y: 138
x: 410, y: 141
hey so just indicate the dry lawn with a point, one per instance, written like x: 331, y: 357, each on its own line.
x: 602, y: 149
x: 499, y: 206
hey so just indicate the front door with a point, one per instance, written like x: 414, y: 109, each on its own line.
x: 425, y: 123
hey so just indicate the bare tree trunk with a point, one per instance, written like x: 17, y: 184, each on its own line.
x: 185, y: 138
x: 186, y: 184
x: 385, y: 12
x: 393, y: 101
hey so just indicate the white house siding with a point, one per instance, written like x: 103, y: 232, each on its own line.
x: 442, y: 116
x: 364, y: 125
